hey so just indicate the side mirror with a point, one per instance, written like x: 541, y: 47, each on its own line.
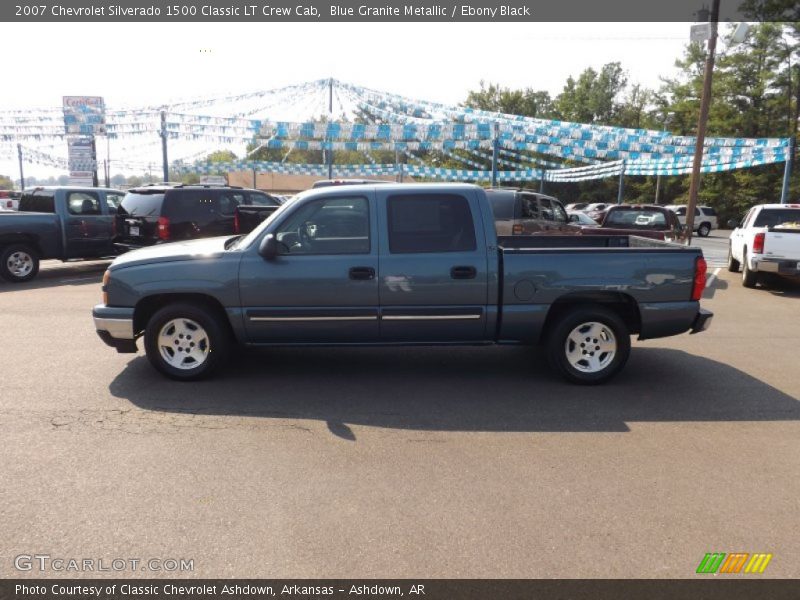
x: 732, y: 224
x: 268, y: 248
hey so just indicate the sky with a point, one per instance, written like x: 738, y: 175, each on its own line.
x: 133, y: 64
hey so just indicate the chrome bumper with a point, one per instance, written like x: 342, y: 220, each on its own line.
x: 115, y: 327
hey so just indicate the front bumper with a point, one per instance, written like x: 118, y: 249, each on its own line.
x: 114, y: 326
x: 702, y: 321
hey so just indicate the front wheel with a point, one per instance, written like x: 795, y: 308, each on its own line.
x: 704, y: 230
x: 588, y: 345
x: 18, y: 263
x: 186, y: 341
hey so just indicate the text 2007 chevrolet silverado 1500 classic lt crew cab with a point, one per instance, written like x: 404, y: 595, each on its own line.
x: 399, y: 264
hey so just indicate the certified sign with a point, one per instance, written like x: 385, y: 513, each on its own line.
x: 84, y: 115
x: 700, y: 32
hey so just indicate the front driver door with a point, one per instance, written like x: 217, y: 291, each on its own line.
x: 322, y: 287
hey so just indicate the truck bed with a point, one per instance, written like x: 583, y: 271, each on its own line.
x: 522, y: 242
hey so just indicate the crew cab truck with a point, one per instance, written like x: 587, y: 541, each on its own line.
x: 766, y: 241
x: 399, y: 264
x: 56, y: 222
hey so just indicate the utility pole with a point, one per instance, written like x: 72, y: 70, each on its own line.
x: 21, y: 174
x: 621, y: 183
x: 495, y: 150
x: 95, y: 182
x: 787, y: 172
x: 702, y: 122
x: 164, y: 145
x: 330, y: 120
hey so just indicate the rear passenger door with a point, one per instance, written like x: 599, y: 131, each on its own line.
x: 433, y: 268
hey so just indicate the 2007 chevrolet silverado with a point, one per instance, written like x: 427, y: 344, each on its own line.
x: 399, y: 264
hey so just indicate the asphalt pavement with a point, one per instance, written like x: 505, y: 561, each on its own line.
x: 414, y: 462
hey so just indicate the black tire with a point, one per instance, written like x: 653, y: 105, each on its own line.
x: 733, y: 264
x: 188, y: 361
x: 562, y: 350
x: 749, y: 278
x: 704, y: 229
x: 18, y: 263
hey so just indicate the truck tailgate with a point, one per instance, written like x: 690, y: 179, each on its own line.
x: 782, y: 243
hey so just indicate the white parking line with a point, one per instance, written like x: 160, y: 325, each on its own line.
x: 712, y: 277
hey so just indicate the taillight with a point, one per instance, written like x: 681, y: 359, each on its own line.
x: 163, y: 228
x: 700, y: 269
x: 758, y: 243
x: 516, y: 229
x: 236, y: 227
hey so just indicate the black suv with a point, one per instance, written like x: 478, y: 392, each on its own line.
x: 156, y: 214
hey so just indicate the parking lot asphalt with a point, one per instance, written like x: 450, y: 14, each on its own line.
x: 421, y: 462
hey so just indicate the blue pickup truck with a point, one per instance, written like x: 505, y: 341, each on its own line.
x: 397, y: 264
x: 56, y: 222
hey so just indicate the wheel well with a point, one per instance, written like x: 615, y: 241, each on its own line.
x: 622, y: 304
x: 148, y: 306
x: 21, y: 238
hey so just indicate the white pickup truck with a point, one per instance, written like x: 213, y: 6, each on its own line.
x: 766, y: 241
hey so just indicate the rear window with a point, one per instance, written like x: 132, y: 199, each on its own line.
x: 141, y: 205
x: 779, y: 218
x: 636, y: 218
x: 39, y: 202
x: 435, y: 223
x: 198, y: 205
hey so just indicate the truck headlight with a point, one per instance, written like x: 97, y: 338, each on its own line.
x: 104, y: 288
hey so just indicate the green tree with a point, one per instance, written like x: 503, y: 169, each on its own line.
x: 593, y: 97
x: 6, y: 183
x: 527, y: 102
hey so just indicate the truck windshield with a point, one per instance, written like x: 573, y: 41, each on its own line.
x: 779, y: 218
x: 245, y: 241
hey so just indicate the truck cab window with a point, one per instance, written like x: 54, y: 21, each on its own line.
x: 330, y: 226
x: 83, y: 203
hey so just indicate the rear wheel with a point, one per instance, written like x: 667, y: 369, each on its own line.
x: 588, y: 345
x: 749, y: 278
x: 18, y: 263
x: 704, y: 229
x: 186, y: 341
x: 733, y: 264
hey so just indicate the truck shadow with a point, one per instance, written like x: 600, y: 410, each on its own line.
x: 459, y: 389
x: 780, y: 286
x: 61, y: 274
